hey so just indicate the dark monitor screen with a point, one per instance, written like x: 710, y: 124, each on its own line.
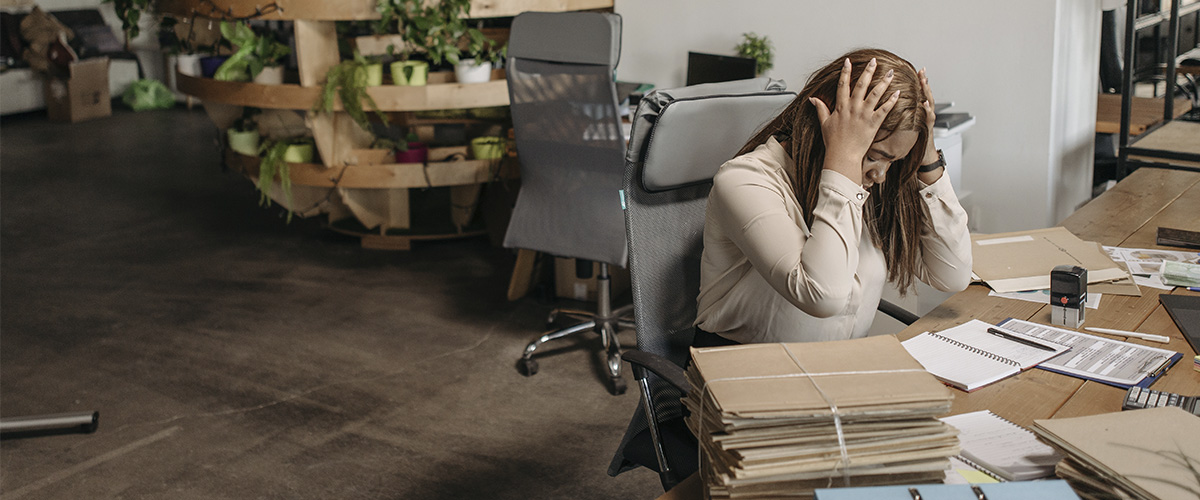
x: 710, y: 68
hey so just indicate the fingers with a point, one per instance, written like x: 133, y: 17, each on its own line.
x: 843, y: 90
x: 880, y: 88
x: 822, y: 109
x: 927, y: 91
x: 925, y: 88
x: 886, y: 108
x: 864, y: 80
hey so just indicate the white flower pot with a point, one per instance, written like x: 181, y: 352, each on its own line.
x: 270, y: 75
x: 188, y: 64
x: 466, y: 71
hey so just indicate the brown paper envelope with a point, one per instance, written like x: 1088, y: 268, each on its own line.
x: 1145, y: 448
x: 1022, y: 260
x: 729, y: 373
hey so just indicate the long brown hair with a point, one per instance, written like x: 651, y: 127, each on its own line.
x: 893, y: 215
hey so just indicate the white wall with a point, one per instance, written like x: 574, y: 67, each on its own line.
x: 1027, y: 69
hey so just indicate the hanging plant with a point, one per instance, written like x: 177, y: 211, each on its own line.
x: 274, y: 164
x: 348, y: 81
x: 758, y: 48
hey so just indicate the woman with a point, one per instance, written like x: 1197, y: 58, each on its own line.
x: 841, y: 192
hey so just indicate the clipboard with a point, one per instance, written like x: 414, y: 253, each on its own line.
x: 1154, y: 372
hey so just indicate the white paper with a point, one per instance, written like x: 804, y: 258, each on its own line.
x: 1043, y: 297
x: 1145, y: 264
x: 1093, y: 357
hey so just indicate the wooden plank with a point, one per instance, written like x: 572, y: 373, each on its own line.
x: 388, y: 176
x: 356, y: 10
x: 316, y: 52
x: 320, y: 10
x: 1121, y: 211
x: 1183, y: 213
x: 1143, y: 112
x: 1176, y: 137
x: 523, y: 274
x: 435, y: 96
x: 441, y: 96
x: 508, y: 8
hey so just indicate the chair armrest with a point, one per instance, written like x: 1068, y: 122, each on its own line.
x: 901, y: 314
x: 659, y: 365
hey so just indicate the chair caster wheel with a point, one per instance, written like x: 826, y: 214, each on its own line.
x: 527, y: 367
x: 616, y: 386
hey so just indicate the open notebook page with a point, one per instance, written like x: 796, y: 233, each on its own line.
x: 1002, y: 447
x: 968, y: 357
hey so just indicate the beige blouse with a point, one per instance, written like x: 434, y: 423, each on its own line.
x: 765, y: 276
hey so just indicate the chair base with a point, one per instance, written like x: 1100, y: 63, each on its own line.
x: 606, y: 326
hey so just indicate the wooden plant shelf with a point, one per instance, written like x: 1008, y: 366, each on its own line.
x: 387, y: 97
x: 356, y: 10
x: 387, y: 176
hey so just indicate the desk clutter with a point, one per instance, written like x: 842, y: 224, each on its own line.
x: 777, y: 420
x: 1138, y: 454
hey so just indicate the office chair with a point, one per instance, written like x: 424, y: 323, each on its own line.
x: 680, y: 138
x: 571, y: 149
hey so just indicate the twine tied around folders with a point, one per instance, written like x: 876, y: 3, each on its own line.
x: 844, y: 463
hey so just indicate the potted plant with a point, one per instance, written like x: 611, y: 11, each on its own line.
x: 758, y: 48
x: 255, y: 53
x: 411, y: 150
x: 243, y: 134
x: 349, y: 81
x: 277, y: 157
x: 488, y: 147
x: 130, y: 13
x: 485, y: 54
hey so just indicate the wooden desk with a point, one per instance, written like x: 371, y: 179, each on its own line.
x: 1143, y: 113
x: 1127, y: 215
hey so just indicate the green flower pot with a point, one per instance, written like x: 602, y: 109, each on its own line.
x: 374, y: 74
x: 244, y: 142
x: 298, y: 153
x: 487, y: 148
x: 410, y: 73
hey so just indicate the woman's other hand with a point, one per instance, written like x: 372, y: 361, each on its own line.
x: 931, y: 154
x: 849, y: 130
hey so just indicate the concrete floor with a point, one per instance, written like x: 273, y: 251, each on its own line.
x: 233, y: 356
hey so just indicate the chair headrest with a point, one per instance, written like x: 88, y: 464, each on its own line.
x: 694, y: 130
x: 567, y: 37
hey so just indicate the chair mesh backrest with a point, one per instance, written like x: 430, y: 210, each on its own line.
x: 679, y: 140
x: 568, y: 135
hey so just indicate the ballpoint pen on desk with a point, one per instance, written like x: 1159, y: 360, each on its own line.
x: 1194, y: 288
x: 1125, y: 333
x: 1010, y: 336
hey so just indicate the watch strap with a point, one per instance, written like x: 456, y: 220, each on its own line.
x: 941, y: 162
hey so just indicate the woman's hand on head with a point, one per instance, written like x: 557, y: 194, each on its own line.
x: 930, y: 154
x: 850, y: 128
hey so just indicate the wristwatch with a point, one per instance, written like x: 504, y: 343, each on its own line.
x: 941, y: 162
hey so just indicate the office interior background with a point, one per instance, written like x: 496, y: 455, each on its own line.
x: 411, y: 392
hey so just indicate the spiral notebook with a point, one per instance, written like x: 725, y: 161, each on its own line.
x: 1001, y: 448
x: 975, y: 354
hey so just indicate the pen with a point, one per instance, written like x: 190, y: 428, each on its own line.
x: 1194, y: 288
x: 1001, y: 333
x: 1144, y: 336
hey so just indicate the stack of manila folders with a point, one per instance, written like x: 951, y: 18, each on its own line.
x: 1146, y: 454
x: 780, y: 420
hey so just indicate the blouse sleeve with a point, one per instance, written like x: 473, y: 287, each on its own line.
x: 945, y: 262
x: 812, y: 269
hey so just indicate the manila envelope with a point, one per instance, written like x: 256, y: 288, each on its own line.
x: 1022, y: 260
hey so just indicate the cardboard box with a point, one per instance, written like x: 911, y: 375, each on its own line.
x: 567, y: 286
x: 83, y: 95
